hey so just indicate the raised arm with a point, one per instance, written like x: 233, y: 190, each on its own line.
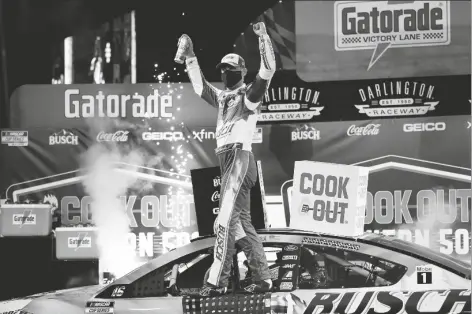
x: 261, y: 83
x: 203, y: 89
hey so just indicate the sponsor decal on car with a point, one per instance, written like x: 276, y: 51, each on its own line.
x: 449, y: 301
x: 284, y: 286
x: 99, y: 307
x: 289, y: 257
x: 291, y: 248
x: 288, y: 275
x: 331, y: 243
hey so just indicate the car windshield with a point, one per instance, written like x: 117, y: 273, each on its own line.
x: 442, y: 260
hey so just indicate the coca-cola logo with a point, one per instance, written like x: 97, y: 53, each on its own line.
x: 215, y: 196
x: 370, y: 129
x: 118, y: 136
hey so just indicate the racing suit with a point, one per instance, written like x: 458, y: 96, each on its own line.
x: 237, y: 117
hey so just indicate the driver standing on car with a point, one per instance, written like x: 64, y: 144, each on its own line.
x: 238, y: 107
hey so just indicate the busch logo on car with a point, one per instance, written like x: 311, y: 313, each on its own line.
x: 379, y: 25
x: 331, y: 187
x: 63, y: 138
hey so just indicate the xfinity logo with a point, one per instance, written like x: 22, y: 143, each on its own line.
x: 469, y: 124
x: 203, y: 135
x: 163, y: 136
x: 424, y: 127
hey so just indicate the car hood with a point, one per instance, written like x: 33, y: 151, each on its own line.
x: 70, y: 299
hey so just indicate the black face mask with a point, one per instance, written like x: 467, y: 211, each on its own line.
x: 231, y: 78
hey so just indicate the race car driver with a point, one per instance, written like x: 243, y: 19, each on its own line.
x: 238, y: 107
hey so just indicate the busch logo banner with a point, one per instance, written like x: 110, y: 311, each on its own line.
x: 329, y: 198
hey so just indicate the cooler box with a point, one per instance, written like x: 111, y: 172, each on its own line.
x: 75, y: 243
x: 25, y: 220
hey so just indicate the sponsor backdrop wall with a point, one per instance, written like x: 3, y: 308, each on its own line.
x: 419, y: 184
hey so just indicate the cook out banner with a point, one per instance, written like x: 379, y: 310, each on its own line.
x: 419, y: 166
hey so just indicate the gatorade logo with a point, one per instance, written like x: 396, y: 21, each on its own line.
x: 83, y: 240
x: 27, y: 218
x: 380, y: 25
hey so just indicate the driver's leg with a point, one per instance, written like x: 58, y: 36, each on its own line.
x: 251, y: 244
x: 235, y: 186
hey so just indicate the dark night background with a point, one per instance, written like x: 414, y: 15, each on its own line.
x: 30, y: 31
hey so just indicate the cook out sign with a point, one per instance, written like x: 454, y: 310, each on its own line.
x: 329, y: 198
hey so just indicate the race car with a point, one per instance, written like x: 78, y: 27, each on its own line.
x: 312, y: 273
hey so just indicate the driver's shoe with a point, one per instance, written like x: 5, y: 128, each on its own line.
x: 211, y: 291
x: 259, y: 287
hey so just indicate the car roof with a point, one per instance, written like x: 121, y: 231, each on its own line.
x: 391, y: 243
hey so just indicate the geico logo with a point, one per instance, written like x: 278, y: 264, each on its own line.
x: 163, y: 136
x: 421, y: 127
x: 382, y: 19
